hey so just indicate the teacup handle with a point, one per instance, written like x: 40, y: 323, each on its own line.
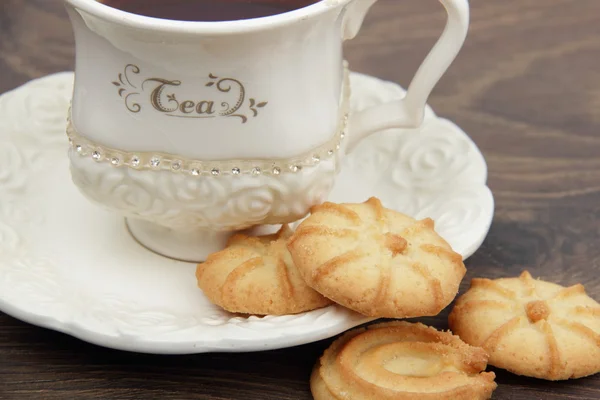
x: 409, y: 112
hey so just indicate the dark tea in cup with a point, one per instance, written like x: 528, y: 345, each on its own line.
x: 208, y: 10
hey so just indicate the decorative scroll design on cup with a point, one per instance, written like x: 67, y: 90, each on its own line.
x: 163, y: 99
x: 127, y: 89
x: 254, y: 105
x: 157, y: 161
x: 229, y: 111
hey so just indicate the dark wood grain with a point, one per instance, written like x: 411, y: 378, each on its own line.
x: 526, y: 88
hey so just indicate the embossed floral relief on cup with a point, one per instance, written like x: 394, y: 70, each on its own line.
x: 185, y: 202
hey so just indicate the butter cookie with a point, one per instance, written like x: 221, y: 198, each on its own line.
x: 256, y: 275
x: 376, y: 261
x: 531, y: 327
x: 401, y: 361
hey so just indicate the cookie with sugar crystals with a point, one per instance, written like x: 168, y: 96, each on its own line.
x: 531, y: 327
x: 401, y: 361
x: 256, y: 275
x: 376, y: 261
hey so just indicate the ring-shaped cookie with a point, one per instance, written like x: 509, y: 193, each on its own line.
x: 401, y: 360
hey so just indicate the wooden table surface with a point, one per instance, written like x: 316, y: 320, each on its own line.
x: 526, y: 88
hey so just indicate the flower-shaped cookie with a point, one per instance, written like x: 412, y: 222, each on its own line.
x: 376, y: 261
x: 401, y: 361
x: 531, y: 327
x: 256, y: 275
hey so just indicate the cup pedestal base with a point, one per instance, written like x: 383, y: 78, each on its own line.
x: 190, y: 246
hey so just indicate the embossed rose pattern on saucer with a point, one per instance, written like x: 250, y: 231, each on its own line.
x: 68, y: 265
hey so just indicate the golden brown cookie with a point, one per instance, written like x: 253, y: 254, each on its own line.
x: 256, y: 275
x: 399, y: 361
x: 376, y: 261
x: 531, y: 327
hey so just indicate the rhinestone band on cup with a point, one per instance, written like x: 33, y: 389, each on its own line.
x: 169, y: 162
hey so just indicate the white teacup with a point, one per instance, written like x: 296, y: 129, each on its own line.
x: 193, y: 130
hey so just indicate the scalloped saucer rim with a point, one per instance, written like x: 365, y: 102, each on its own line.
x: 49, y: 283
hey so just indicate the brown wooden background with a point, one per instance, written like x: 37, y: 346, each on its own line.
x: 526, y: 88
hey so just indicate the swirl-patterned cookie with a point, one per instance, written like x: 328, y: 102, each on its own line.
x: 531, y: 327
x: 401, y: 361
x: 376, y: 261
x: 256, y: 275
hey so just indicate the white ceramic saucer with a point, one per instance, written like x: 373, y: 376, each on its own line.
x: 66, y: 264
